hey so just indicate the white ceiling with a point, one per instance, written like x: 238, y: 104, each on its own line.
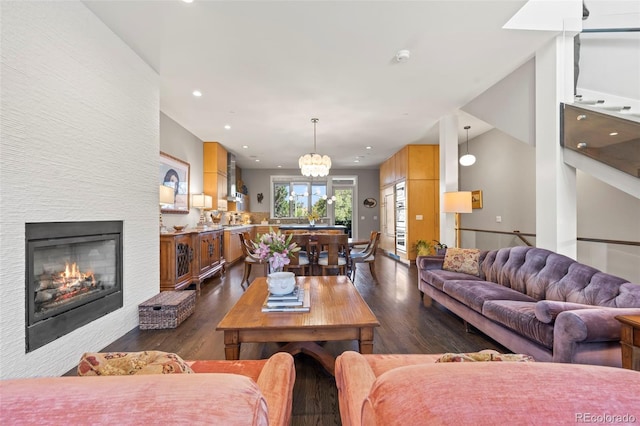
x: 267, y: 67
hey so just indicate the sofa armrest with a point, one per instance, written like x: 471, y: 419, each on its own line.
x: 584, y: 326
x: 354, y: 378
x: 430, y: 262
x: 276, y: 384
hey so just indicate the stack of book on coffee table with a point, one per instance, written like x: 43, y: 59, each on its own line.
x: 296, y: 301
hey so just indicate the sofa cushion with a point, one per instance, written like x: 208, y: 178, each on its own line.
x: 475, y: 293
x: 499, y: 393
x: 128, y: 363
x: 547, y: 310
x: 462, y: 260
x: 437, y: 277
x: 521, y: 318
x: 178, y: 399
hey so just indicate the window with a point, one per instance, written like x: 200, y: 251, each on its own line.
x: 297, y: 199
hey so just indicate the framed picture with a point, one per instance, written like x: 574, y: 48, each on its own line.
x: 476, y: 199
x: 175, y: 173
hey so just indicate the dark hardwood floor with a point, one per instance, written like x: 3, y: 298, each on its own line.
x: 408, y: 325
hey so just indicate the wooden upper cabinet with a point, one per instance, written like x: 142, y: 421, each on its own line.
x: 387, y: 172
x: 214, y: 168
x: 423, y: 161
x: 214, y: 158
x: 400, y: 162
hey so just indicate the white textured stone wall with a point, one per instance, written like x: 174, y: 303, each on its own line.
x: 78, y: 141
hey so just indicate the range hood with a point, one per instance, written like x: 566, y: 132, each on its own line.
x: 232, y: 192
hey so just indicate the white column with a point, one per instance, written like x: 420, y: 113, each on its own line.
x: 556, y: 221
x: 448, y: 126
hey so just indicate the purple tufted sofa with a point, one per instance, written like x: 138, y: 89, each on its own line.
x: 537, y: 302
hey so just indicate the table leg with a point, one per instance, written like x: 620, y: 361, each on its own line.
x: 365, y: 343
x: 315, y: 351
x: 231, y: 345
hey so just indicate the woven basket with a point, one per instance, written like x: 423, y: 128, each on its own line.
x: 167, y: 309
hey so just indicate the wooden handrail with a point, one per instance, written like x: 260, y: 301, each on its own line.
x: 522, y: 234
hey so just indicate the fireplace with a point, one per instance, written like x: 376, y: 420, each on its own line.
x: 73, y: 276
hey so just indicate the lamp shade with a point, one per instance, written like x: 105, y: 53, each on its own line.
x: 457, y: 202
x: 202, y: 201
x: 166, y: 195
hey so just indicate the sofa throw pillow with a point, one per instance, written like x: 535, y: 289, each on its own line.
x: 547, y: 310
x: 462, y: 260
x: 484, y: 356
x: 128, y: 363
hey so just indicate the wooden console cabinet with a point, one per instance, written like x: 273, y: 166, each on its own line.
x: 188, y: 257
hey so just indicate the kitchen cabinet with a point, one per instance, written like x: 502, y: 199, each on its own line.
x: 214, y: 173
x: 418, y: 167
x: 188, y: 257
x: 232, y: 245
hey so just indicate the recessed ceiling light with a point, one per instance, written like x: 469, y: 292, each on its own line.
x: 257, y: 160
x: 197, y: 93
x: 245, y: 146
x: 279, y: 166
x: 188, y: 1
x: 226, y: 126
x: 356, y: 161
x: 613, y: 134
x: 368, y: 147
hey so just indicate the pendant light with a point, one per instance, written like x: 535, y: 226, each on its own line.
x: 467, y: 159
x: 314, y: 164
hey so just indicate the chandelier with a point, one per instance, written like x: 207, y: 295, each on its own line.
x: 467, y: 159
x: 314, y: 164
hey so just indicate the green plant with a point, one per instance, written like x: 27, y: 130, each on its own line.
x: 423, y: 247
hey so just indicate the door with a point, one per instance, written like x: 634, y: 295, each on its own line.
x: 343, y: 208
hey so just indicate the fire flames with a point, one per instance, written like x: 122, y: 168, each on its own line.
x: 72, y: 275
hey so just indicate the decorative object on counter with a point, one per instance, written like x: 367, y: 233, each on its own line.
x: 276, y: 248
x: 423, y: 248
x: 313, y: 216
x: 179, y: 228
x: 467, y: 159
x: 202, y: 202
x: 370, y: 202
x: 166, y: 198
x: 457, y: 202
x: 476, y: 199
x: 314, y: 164
x: 175, y: 174
x: 260, y: 197
x: 215, y: 216
x: 264, y: 222
x: 244, y: 189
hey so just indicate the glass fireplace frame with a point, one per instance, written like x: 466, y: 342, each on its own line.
x: 43, y: 329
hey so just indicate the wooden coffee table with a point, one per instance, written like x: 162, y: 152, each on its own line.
x: 337, y: 312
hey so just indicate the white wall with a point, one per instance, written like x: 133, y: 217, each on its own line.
x: 178, y: 142
x: 505, y: 173
x: 79, y: 142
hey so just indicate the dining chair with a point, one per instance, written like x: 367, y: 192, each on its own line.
x: 368, y: 255
x: 299, y: 261
x: 333, y: 252
x: 250, y: 259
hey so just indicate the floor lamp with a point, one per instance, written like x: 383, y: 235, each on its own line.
x: 167, y: 197
x: 457, y: 202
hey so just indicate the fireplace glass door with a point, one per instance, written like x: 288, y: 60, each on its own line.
x: 74, y: 275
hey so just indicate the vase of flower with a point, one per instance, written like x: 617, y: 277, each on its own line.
x: 312, y: 222
x: 281, y: 282
x: 313, y: 216
x: 277, y: 249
